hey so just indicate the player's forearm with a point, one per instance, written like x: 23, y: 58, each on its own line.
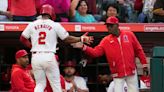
x: 25, y: 41
x: 72, y: 39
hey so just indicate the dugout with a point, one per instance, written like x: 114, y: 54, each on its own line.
x: 149, y: 35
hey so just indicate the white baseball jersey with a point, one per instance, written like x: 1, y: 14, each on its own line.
x: 44, y: 34
x: 79, y: 81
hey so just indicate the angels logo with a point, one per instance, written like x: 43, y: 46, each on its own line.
x: 125, y: 38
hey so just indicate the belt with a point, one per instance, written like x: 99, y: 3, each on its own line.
x: 35, y: 52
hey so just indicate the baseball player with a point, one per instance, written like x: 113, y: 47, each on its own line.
x: 43, y: 34
x: 120, y: 47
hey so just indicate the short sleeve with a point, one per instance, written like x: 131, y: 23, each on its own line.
x: 61, y: 32
x: 27, y: 32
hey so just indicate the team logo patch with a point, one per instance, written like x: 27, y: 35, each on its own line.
x: 111, y: 41
x: 125, y: 38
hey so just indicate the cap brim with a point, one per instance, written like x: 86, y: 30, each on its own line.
x: 109, y: 23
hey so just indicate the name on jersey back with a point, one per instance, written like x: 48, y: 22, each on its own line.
x: 37, y: 27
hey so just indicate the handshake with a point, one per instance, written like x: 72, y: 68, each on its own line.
x: 84, y: 40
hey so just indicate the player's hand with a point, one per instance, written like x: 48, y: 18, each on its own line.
x: 78, y: 45
x: 86, y: 39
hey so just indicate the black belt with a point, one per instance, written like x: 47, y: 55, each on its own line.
x: 41, y: 52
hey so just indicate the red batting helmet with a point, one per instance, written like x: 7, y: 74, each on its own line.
x: 21, y: 53
x: 48, y: 9
x: 112, y: 20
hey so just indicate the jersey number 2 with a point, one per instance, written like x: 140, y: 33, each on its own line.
x: 42, y: 36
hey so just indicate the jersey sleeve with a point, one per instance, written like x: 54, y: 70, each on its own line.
x: 61, y: 32
x: 27, y: 32
x: 96, y: 51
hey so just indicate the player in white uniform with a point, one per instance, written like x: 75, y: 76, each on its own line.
x: 43, y: 34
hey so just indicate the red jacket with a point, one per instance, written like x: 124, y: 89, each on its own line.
x: 120, y: 56
x: 21, y: 81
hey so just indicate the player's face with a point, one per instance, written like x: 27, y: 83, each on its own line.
x: 113, y: 29
x: 23, y: 61
x: 69, y: 71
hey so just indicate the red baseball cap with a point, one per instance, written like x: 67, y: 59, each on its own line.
x: 21, y: 53
x: 70, y: 64
x: 112, y: 20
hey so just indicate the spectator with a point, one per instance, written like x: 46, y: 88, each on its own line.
x: 146, y: 15
x: 80, y: 15
x: 73, y: 83
x: 4, y: 13
x: 61, y: 8
x: 120, y: 47
x: 113, y: 10
x: 129, y: 4
x: 158, y: 11
x: 23, y: 10
x: 138, y: 5
x: 21, y: 81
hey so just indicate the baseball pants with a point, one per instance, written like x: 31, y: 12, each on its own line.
x: 131, y: 81
x: 45, y: 64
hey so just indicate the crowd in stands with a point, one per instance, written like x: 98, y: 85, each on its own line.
x: 86, y: 11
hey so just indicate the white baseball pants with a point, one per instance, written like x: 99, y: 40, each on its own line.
x: 45, y: 65
x: 131, y: 81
